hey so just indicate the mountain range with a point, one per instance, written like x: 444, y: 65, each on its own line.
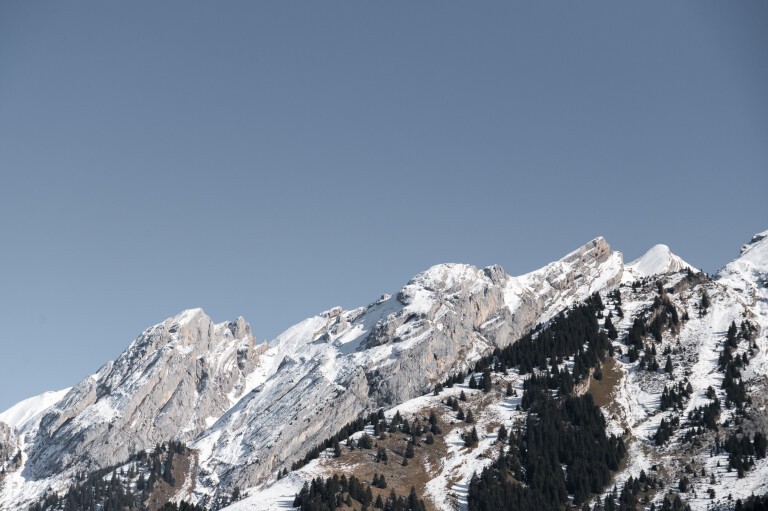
x: 249, y: 423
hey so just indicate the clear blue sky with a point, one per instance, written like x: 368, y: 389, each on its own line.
x: 273, y: 160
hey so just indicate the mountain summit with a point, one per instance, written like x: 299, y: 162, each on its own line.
x: 657, y: 260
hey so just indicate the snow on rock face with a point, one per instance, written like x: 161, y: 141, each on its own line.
x: 329, y: 369
x: 658, y: 260
x: 748, y: 274
x: 558, y: 285
x: 760, y: 236
x: 164, y: 386
x: 9, y: 445
x: 446, y: 300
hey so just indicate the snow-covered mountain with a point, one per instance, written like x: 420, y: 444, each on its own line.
x: 249, y: 410
x: 629, y: 393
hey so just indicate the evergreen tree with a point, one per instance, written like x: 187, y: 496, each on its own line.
x: 705, y: 303
x: 365, y: 442
x: 487, y: 381
x: 502, y: 434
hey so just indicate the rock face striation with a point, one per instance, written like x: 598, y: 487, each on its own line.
x: 9, y: 444
x: 170, y: 383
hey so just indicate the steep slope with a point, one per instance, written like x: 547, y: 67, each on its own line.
x: 18, y: 422
x: 172, y: 382
x: 696, y: 346
x: 748, y: 274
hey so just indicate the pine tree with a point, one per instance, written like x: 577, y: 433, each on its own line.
x: 413, y: 501
x: 365, y: 442
x: 668, y: 365
x: 502, y: 434
x: 487, y: 381
x: 705, y: 303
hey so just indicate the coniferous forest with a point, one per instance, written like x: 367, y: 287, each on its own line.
x: 561, y: 429
x: 126, y: 487
x: 337, y: 492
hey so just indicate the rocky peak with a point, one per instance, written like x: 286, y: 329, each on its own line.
x: 543, y: 293
x: 496, y: 274
x: 596, y: 251
x: 168, y: 384
x: 442, y: 277
x: 240, y: 328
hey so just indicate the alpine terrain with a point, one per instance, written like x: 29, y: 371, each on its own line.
x: 590, y: 383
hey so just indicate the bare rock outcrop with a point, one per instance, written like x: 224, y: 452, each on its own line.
x: 170, y: 383
x: 10, y: 453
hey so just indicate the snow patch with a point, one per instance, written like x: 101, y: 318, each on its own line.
x: 26, y: 411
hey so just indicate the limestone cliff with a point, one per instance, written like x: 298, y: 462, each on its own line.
x: 171, y: 383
